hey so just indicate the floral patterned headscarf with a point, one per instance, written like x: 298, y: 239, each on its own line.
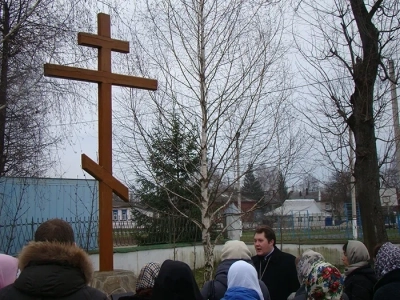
x: 324, y: 282
x: 387, y: 259
x: 307, y: 259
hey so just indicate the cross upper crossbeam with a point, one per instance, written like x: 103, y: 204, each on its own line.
x: 98, y: 41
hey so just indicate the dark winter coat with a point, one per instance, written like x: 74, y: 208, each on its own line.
x: 135, y: 297
x: 52, y: 271
x: 280, y: 275
x: 388, y: 287
x: 175, y: 281
x: 359, y: 284
x: 215, y: 289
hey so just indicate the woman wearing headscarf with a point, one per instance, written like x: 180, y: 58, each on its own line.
x: 8, y: 270
x: 324, y: 282
x: 232, y: 251
x: 359, y: 276
x: 145, y: 282
x: 175, y: 281
x: 387, y: 270
x: 303, y: 266
x: 243, y: 282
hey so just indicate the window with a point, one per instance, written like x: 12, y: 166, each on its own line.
x: 115, y: 215
x: 327, y: 206
x: 124, y: 215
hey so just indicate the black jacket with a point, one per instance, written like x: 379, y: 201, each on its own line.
x: 388, y: 287
x: 359, y: 284
x: 175, y: 281
x: 135, y: 297
x: 52, y: 271
x: 215, y: 289
x: 280, y: 275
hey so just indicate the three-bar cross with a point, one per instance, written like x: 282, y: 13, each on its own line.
x: 105, y: 79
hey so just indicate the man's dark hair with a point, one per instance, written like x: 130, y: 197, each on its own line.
x: 268, y: 232
x: 55, y: 230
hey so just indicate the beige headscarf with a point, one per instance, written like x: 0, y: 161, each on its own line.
x: 235, y: 250
x: 357, y: 255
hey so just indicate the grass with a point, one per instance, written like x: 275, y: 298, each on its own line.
x: 199, y: 276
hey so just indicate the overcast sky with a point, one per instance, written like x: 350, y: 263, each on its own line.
x: 83, y: 132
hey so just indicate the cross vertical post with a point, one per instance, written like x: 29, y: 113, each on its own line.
x: 105, y: 147
x: 105, y: 80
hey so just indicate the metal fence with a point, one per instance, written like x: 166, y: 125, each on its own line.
x: 171, y: 230
x: 165, y: 230
x: 14, y: 235
x: 303, y: 227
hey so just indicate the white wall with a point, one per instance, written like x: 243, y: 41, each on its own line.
x: 194, y: 256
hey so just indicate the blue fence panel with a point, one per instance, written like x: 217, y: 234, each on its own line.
x: 26, y: 202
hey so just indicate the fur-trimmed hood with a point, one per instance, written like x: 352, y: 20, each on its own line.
x: 57, y: 252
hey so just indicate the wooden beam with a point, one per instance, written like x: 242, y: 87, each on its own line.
x: 100, y: 174
x: 59, y: 71
x: 96, y: 41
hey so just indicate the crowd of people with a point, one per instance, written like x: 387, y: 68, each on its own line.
x: 54, y: 267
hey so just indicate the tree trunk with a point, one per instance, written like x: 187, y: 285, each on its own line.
x: 204, y: 184
x: 208, y: 251
x: 4, y: 85
x: 366, y: 171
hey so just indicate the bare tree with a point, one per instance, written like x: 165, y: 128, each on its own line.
x: 220, y: 66
x: 29, y: 32
x: 347, y: 43
x: 33, y: 33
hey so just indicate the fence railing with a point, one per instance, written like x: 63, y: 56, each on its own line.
x: 14, y: 235
x: 170, y: 230
x: 307, y: 227
x: 165, y: 230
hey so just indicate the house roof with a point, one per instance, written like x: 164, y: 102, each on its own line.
x: 297, y: 206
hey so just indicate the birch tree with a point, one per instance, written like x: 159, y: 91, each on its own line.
x: 220, y: 65
x: 347, y: 44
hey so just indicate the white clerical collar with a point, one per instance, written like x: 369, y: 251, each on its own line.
x: 269, y: 254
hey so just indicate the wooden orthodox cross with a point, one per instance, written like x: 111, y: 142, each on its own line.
x: 105, y: 79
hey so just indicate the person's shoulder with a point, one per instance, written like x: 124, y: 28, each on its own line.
x: 9, y: 292
x: 389, y: 291
x: 5, y: 290
x: 300, y: 297
x: 255, y: 258
x: 206, y: 286
x: 284, y: 255
x: 95, y: 294
x: 362, y: 274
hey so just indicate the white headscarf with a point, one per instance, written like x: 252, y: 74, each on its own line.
x: 242, y: 274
